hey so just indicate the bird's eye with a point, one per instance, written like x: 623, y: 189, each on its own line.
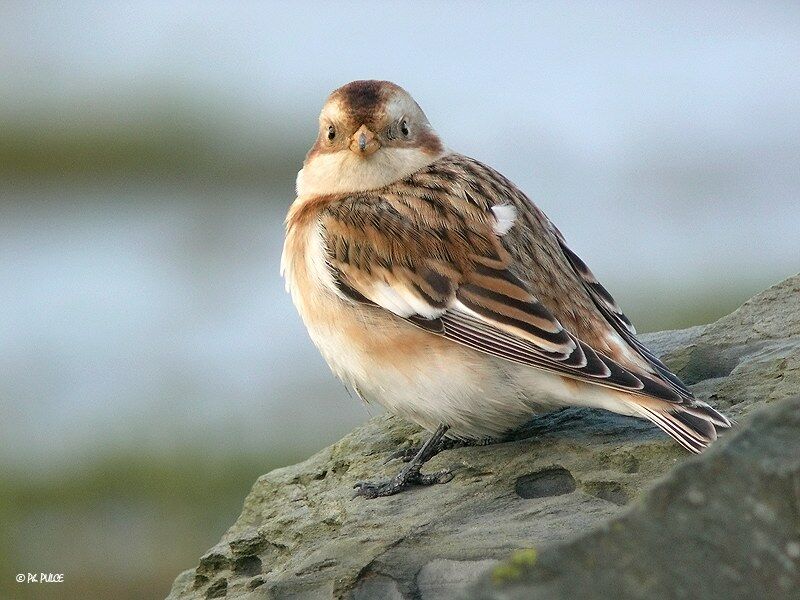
x: 404, y: 128
x: 331, y: 132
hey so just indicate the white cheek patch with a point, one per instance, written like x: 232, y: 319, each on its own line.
x: 505, y: 215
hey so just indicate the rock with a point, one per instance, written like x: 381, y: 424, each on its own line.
x: 300, y: 535
x: 445, y: 579
x: 725, y: 525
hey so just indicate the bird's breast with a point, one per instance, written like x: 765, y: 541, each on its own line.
x: 360, y: 342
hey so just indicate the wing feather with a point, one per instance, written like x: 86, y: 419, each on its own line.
x: 617, y: 319
x: 461, y: 289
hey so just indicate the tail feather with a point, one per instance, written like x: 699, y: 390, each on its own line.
x: 707, y: 413
x: 693, y: 426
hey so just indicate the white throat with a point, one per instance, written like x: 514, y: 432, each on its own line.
x: 344, y: 172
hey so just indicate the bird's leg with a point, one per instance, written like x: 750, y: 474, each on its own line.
x: 408, y: 454
x: 410, y: 474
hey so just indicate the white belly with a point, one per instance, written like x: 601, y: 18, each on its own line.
x: 429, y: 380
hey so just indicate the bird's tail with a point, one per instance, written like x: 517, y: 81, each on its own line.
x: 692, y: 424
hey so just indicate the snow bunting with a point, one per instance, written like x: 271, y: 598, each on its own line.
x: 432, y: 285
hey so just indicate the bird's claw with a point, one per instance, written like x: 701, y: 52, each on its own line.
x: 371, y: 490
x: 443, y: 476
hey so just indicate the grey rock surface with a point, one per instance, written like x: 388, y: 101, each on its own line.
x: 569, y: 476
x: 726, y: 525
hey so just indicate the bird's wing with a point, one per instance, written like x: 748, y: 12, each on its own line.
x: 442, y: 267
x: 613, y: 314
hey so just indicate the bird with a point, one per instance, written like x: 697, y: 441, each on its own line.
x: 432, y: 285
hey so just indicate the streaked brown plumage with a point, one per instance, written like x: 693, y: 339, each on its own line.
x: 411, y: 264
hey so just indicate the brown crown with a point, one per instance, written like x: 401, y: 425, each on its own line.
x: 364, y: 100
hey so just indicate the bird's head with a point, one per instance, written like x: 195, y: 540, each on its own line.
x: 371, y: 134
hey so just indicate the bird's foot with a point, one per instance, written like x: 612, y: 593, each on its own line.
x: 400, y: 482
x: 410, y: 474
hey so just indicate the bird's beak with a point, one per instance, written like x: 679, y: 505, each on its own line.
x: 363, y: 142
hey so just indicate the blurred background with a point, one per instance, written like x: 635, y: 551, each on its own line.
x: 151, y: 365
